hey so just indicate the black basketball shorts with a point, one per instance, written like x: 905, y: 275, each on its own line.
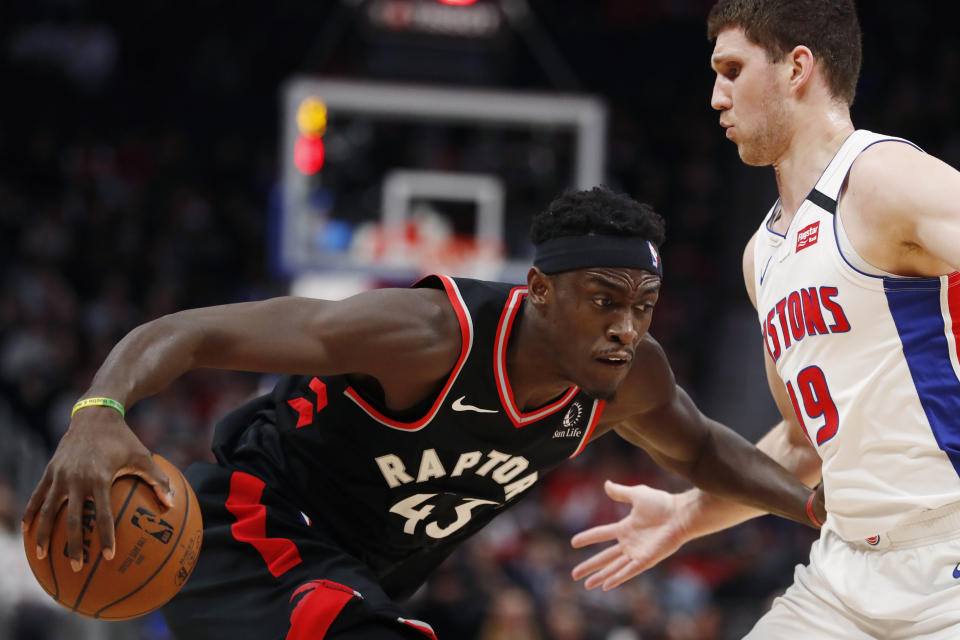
x: 265, y: 574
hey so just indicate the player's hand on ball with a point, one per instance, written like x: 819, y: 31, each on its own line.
x: 97, y: 448
x: 648, y: 534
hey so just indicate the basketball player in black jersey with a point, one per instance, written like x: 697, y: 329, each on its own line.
x: 408, y: 418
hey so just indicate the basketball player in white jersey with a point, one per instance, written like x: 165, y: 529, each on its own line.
x: 853, y: 272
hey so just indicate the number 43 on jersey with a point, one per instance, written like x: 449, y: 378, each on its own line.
x: 414, y: 509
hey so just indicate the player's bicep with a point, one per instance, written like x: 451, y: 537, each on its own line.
x: 415, y: 332
x: 321, y: 337
x: 673, y: 431
x: 935, y: 211
x: 916, y: 208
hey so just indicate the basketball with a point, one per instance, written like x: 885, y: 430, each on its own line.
x: 156, y: 550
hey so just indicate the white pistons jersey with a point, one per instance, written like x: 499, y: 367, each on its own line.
x: 869, y: 360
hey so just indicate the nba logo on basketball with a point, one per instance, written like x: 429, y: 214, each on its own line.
x: 808, y: 236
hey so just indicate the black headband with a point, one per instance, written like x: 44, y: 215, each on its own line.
x: 581, y: 252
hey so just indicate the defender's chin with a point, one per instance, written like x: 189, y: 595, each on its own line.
x: 752, y: 158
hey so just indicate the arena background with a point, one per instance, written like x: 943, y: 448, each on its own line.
x: 141, y: 173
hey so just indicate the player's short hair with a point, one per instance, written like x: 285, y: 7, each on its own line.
x: 829, y: 28
x: 597, y: 211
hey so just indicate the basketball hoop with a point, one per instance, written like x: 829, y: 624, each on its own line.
x: 427, y: 248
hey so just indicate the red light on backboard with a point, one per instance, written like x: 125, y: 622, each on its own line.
x: 457, y: 3
x: 308, y: 154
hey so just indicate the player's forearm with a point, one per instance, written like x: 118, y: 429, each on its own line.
x: 706, y: 513
x: 146, y: 360
x: 732, y: 469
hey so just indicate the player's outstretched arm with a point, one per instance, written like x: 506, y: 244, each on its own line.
x: 659, y: 522
x: 713, y: 457
x: 417, y: 327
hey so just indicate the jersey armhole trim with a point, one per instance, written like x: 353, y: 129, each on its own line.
x: 466, y: 332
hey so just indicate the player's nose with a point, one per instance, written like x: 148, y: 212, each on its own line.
x: 625, y: 329
x: 720, y: 99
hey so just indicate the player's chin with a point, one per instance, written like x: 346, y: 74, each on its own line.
x: 599, y: 394
x: 751, y: 156
x: 604, y: 383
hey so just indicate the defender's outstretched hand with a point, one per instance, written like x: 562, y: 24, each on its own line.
x: 97, y: 448
x: 648, y: 534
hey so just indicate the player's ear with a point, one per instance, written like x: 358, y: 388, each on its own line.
x: 801, y: 67
x: 539, y: 286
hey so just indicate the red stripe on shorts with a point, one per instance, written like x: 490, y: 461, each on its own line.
x: 280, y: 554
x: 953, y: 305
x: 317, y: 610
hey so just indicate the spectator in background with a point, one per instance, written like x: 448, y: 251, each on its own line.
x: 25, y: 608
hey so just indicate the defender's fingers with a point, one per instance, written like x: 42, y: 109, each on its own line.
x: 595, y: 562
x: 35, y: 502
x: 101, y: 498
x: 600, y: 533
x: 619, y: 492
x: 601, y: 576
x: 631, y: 569
x: 75, y: 530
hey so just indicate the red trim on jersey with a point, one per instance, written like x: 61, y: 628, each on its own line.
x: 280, y: 554
x: 504, y: 327
x: 598, y: 406
x: 420, y: 626
x: 466, y: 330
x: 953, y: 303
x: 316, y: 611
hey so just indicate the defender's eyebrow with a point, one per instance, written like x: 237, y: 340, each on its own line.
x: 719, y: 58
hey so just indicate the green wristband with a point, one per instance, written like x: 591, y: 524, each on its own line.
x: 98, y: 402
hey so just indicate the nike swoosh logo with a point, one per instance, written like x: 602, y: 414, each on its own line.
x: 458, y: 405
x: 956, y: 571
x: 765, y: 267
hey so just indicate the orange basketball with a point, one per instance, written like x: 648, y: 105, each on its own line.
x: 156, y: 549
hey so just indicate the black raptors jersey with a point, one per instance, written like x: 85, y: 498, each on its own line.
x: 400, y: 491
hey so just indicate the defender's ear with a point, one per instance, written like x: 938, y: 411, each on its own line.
x: 802, y: 63
x: 539, y: 286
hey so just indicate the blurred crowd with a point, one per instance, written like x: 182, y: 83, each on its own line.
x: 139, y: 164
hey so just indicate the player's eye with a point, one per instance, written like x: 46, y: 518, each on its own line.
x: 602, y: 301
